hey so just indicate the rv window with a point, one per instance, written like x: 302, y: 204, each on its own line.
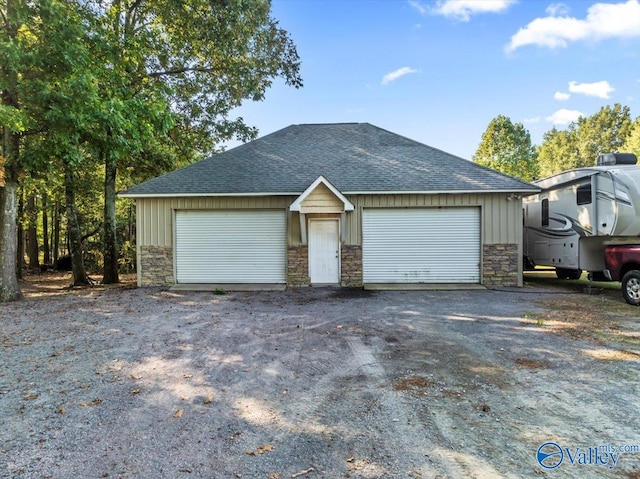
x: 583, y: 196
x: 545, y: 212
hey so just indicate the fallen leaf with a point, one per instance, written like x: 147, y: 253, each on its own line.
x: 207, y: 400
x: 31, y: 397
x: 350, y: 459
x: 135, y: 391
x: 261, y: 450
x: 187, y: 376
x: 135, y: 376
x: 274, y: 475
x: 178, y: 413
x: 96, y: 401
x: 61, y: 410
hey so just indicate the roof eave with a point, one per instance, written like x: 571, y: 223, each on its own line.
x: 297, y: 193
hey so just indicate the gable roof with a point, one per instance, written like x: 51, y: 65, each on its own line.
x: 356, y: 158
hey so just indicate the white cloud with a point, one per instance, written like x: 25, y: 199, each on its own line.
x: 561, y: 96
x: 600, y: 89
x: 422, y: 10
x: 556, y: 9
x: 564, y: 116
x: 394, y: 75
x: 604, y: 20
x: 462, y: 10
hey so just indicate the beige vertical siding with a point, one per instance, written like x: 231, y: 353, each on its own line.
x: 321, y: 200
x: 155, y: 215
x: 501, y: 219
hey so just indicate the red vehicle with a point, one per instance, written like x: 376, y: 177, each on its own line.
x: 623, y: 264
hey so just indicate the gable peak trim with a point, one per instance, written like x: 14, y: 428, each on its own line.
x: 297, y: 204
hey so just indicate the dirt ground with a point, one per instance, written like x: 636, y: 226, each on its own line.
x: 123, y: 382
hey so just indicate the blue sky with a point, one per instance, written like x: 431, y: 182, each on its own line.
x: 439, y: 71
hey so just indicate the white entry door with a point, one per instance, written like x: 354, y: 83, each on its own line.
x: 324, y: 252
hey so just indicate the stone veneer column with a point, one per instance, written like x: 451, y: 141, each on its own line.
x: 156, y: 266
x: 351, y: 266
x: 500, y: 264
x: 298, y: 266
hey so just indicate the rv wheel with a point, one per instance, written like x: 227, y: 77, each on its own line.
x: 631, y: 287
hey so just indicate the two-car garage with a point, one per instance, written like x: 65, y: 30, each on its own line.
x: 326, y: 204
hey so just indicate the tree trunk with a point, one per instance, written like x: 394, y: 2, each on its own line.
x: 33, y: 250
x: 20, y: 256
x: 80, y: 277
x: 45, y: 229
x: 9, y: 287
x: 110, y: 274
x: 56, y: 231
x: 10, y: 150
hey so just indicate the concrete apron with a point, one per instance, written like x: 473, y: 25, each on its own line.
x: 422, y: 286
x: 283, y: 287
x: 229, y: 287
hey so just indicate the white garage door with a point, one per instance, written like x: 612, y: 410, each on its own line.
x: 421, y: 245
x: 230, y: 246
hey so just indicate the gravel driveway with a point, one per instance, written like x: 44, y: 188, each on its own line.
x: 315, y: 383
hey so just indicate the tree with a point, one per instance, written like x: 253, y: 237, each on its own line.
x: 12, y: 123
x: 580, y: 144
x: 558, y: 151
x: 604, y: 132
x: 46, y: 92
x: 177, y: 70
x: 131, y: 86
x: 632, y: 144
x: 506, y: 147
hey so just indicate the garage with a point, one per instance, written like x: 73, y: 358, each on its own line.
x: 421, y: 245
x: 232, y: 246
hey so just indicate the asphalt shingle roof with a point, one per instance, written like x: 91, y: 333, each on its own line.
x: 354, y: 157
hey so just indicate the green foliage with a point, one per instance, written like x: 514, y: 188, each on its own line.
x: 579, y: 145
x: 603, y: 132
x: 128, y: 86
x: 632, y: 143
x: 558, y: 151
x: 506, y: 147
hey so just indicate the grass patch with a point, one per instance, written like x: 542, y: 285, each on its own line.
x: 604, y: 318
x: 596, y: 318
x: 533, y: 317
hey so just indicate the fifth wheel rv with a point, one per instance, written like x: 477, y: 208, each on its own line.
x: 581, y: 212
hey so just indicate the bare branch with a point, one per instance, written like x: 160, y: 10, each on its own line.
x: 179, y: 71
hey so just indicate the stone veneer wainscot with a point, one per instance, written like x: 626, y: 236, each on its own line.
x: 157, y: 266
x: 500, y: 265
